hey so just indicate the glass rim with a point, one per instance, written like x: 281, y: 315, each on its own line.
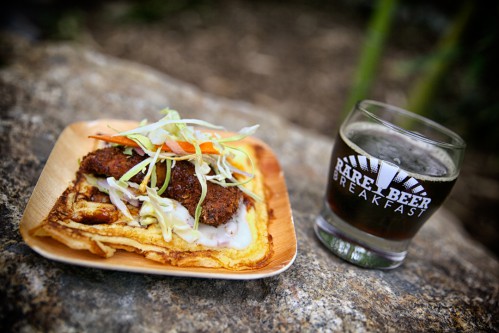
x: 458, y: 142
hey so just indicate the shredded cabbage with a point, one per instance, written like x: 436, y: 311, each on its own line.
x: 169, y: 214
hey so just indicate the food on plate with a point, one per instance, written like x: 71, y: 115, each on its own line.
x: 171, y: 192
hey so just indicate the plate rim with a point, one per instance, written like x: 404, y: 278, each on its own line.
x: 42, y: 246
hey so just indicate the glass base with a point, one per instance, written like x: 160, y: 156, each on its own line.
x: 357, y: 246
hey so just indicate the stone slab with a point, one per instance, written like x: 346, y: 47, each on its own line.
x: 448, y: 283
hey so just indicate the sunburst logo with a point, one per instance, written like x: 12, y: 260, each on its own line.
x: 383, y: 183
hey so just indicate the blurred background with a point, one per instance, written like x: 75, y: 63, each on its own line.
x: 310, y: 60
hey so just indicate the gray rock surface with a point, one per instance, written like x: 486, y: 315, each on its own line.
x: 448, y: 283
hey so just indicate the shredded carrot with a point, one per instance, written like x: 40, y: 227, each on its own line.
x: 206, y: 147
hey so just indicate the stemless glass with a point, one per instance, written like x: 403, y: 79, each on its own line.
x: 390, y: 171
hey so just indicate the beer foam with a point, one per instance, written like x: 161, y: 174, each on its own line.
x: 430, y: 151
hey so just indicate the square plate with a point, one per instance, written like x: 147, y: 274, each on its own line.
x: 60, y: 170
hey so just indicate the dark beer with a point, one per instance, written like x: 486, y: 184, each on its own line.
x: 386, y: 184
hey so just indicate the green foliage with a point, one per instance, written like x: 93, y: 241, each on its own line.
x: 155, y: 10
x: 69, y: 25
x: 467, y: 98
x: 428, y: 83
x: 377, y: 32
x: 56, y: 23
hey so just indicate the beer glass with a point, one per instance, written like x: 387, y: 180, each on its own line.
x: 390, y: 171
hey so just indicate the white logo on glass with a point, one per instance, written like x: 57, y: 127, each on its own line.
x: 351, y: 173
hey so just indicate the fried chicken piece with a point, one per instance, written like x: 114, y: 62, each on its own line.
x: 220, y: 202
x: 112, y: 162
x: 219, y: 205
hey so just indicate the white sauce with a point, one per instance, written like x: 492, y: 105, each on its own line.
x: 235, y: 234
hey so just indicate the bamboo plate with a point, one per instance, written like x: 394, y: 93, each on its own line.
x: 60, y: 170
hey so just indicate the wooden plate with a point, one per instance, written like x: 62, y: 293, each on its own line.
x: 60, y: 170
